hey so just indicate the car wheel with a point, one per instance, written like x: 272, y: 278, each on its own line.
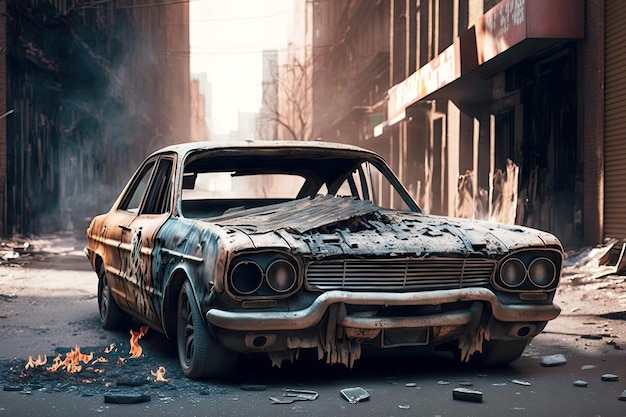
x: 498, y: 352
x: 200, y: 355
x: 111, y: 316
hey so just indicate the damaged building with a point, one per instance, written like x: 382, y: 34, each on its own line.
x: 509, y: 110
x: 89, y: 88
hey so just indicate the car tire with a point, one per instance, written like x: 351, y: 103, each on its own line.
x: 498, y: 352
x: 199, y: 354
x: 111, y: 315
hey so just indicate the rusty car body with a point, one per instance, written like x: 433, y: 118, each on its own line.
x: 273, y: 247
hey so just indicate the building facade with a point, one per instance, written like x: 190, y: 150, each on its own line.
x: 507, y: 110
x: 92, y: 88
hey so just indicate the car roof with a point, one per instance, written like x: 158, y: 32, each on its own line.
x: 184, y: 148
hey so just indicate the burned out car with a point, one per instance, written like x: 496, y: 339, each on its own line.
x: 273, y: 247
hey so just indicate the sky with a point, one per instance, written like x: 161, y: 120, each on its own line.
x: 227, y: 38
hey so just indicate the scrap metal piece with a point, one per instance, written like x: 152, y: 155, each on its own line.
x: 355, y: 395
x: 520, y: 382
x: 301, y: 393
x: 292, y: 395
x: 465, y: 394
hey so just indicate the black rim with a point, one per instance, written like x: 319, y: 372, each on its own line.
x: 186, y: 336
x: 104, y: 297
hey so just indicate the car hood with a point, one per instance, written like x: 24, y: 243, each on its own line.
x: 329, y: 226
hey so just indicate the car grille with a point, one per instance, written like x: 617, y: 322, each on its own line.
x: 399, y: 274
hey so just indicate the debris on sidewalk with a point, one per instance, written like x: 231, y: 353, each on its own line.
x: 466, y: 394
x: 580, y: 383
x: 355, y: 395
x: 592, y: 263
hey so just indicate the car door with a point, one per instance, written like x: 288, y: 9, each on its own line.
x: 139, y: 243
x: 117, y: 230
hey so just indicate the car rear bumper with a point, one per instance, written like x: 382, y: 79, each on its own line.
x: 312, y: 315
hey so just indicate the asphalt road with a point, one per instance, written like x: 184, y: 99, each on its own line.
x: 49, y: 305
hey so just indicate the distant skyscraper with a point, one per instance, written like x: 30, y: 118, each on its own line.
x: 269, y: 103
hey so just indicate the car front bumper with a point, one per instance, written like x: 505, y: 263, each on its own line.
x: 312, y: 315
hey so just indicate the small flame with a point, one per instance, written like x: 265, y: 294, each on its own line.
x: 110, y: 348
x: 135, y: 348
x: 35, y: 363
x: 72, y: 361
x: 121, y: 361
x: 159, y: 375
x: 101, y: 359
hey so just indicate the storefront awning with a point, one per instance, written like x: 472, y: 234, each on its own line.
x: 508, y: 33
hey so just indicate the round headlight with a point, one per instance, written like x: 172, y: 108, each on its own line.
x: 281, y: 276
x: 512, y: 272
x: 246, y: 277
x: 542, y: 272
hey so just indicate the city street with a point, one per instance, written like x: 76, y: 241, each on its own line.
x: 48, y: 305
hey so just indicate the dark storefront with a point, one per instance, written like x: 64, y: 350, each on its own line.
x: 513, y: 80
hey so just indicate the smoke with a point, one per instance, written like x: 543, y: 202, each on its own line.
x: 93, y: 93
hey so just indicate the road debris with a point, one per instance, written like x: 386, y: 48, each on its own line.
x: 609, y: 377
x: 443, y: 382
x: 592, y: 336
x: 587, y: 367
x: 623, y: 396
x: 581, y: 384
x: 404, y: 406
x: 518, y: 382
x: 410, y: 384
x: 252, y: 387
x: 466, y: 394
x: 553, y: 360
x: 126, y: 398
x: 355, y: 395
x: 291, y: 395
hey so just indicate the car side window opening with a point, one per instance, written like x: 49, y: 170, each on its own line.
x: 158, y: 197
x: 132, y: 200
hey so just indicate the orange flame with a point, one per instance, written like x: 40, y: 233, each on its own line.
x: 110, y: 348
x: 135, y: 348
x: 101, y: 359
x: 72, y: 361
x: 35, y: 363
x: 159, y: 375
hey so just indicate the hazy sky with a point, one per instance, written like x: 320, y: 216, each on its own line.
x: 227, y: 38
